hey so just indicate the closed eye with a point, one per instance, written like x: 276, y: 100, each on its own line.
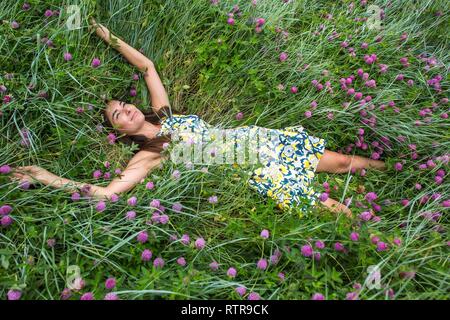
x: 116, y: 113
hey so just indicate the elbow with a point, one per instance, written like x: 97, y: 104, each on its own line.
x: 147, y: 65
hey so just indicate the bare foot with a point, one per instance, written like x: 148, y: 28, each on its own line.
x: 377, y: 164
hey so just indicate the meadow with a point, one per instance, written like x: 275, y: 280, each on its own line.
x: 372, y: 81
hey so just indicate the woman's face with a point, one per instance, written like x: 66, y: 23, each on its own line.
x: 125, y: 118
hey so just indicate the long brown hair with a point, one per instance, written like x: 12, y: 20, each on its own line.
x: 144, y: 143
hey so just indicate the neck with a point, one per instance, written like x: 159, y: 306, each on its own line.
x: 149, y: 130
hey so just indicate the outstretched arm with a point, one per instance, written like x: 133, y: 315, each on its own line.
x: 138, y: 168
x: 158, y: 93
x: 131, y: 54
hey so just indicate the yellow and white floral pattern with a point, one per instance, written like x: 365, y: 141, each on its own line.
x: 289, y: 156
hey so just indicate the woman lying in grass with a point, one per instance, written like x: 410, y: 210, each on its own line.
x: 287, y: 179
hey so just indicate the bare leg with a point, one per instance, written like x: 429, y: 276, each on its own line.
x: 335, y: 162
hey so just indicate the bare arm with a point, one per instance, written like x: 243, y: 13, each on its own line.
x: 131, y: 54
x: 138, y: 168
x: 154, y: 84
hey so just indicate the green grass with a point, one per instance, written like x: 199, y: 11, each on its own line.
x: 216, y: 79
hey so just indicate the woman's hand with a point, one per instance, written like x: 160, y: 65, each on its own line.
x: 100, y: 29
x: 32, y: 174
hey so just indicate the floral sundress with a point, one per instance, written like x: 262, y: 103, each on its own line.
x: 290, y: 156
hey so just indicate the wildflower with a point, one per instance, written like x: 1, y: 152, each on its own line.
x: 323, y: 197
x: 294, y: 89
x: 97, y: 174
x: 14, y: 294
x: 132, y: 201
x: 354, y: 236
x: 351, y: 296
x: 101, y: 206
x: 177, y: 207
x: 319, y: 244
x: 146, y: 255
x: 212, y: 199
x: 262, y: 264
x: 15, y: 25
x: 150, y: 185
x: 176, y: 174
x: 5, y: 210
x: 317, y: 256
x: 241, y: 291
x: 253, y: 296
x: 264, y: 234
x: 374, y: 239
x: 381, y: 246
x: 130, y: 215
x: 307, y: 251
x: 397, y: 241
x: 48, y: 13
x: 114, y: 198
x: 67, y: 56
x: 164, y: 219
x: 200, y: 243
x: 111, y: 138
x: 318, y: 296
x: 25, y: 185
x: 260, y: 21
x: 51, y: 243
x: 371, y: 196
x: 231, y: 272
x: 239, y: 116
x: 185, y: 239
x: 95, y: 63
x: 214, y: 266
x: 78, y: 284
x: 66, y: 294
x: 283, y: 56
x: 5, y: 169
x: 230, y: 21
x: 155, y: 203
x: 181, y: 261
x: 142, y: 237
x: 398, y: 166
x: 339, y: 246
x: 110, y: 283
x: 87, y: 296
x: 111, y: 296
x: 365, y: 216
x: 158, y: 263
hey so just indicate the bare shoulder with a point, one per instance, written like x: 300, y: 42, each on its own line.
x: 144, y: 157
